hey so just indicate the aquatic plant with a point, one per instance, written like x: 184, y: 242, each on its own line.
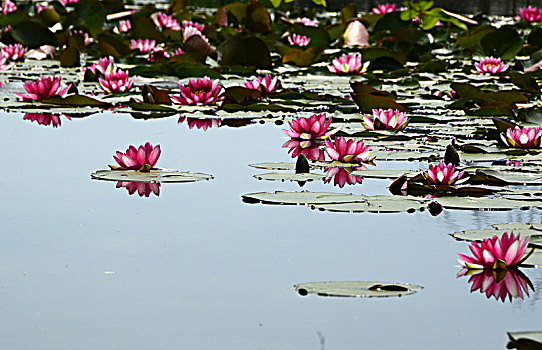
x: 143, y: 158
x: 443, y: 174
x: 123, y: 26
x: 200, y: 92
x: 157, y: 54
x: 314, y: 127
x: 503, y: 284
x: 307, y: 22
x: 196, y: 25
x: 164, y: 21
x: 103, y: 66
x: 490, y: 66
x: 348, y: 151
x: 68, y: 2
x: 389, y: 119
x: 495, y: 253
x: 264, y: 84
x: 87, y: 39
x: 13, y: 52
x: 531, y: 14
x: 143, y: 45
x: 348, y: 64
x: 341, y: 176
x: 144, y: 189
x: 381, y: 9
x: 116, y: 81
x: 298, y: 40
x: 309, y: 148
x: 527, y: 137
x: 43, y: 88
x: 8, y: 7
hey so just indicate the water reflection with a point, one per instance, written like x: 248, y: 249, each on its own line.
x: 45, y: 119
x: 310, y: 149
x: 499, y: 284
x: 144, y: 189
x: 342, y: 176
x: 201, y: 123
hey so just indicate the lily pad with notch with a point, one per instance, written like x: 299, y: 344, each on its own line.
x: 356, y: 289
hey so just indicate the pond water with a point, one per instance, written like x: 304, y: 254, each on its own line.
x: 84, y: 265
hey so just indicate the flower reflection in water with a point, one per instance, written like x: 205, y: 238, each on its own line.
x: 45, y: 119
x: 310, y: 149
x: 142, y: 188
x: 502, y: 284
x: 341, y: 176
x: 201, y: 123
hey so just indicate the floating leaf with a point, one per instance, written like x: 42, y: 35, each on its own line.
x: 301, y: 57
x: 368, y: 102
x: 257, y: 18
x: 289, y: 177
x: 33, y: 34
x: 356, y: 289
x: 525, y: 340
x: 504, y: 42
x: 245, y: 51
x: 158, y: 175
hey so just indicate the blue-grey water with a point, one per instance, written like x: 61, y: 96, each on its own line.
x: 83, y: 265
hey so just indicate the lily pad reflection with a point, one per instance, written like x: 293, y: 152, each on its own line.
x: 154, y: 175
x: 356, y: 289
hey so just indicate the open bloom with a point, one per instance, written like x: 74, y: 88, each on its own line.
x: 144, y: 189
x: 310, y: 149
x: 8, y: 6
x: 143, y: 45
x: 531, y: 14
x: 200, y: 92
x: 264, y: 84
x: 191, y: 31
x: 45, y: 119
x: 390, y: 119
x: 299, y: 40
x: 443, y: 174
x: 116, y: 81
x: 162, y: 20
x: 14, y: 52
x: 197, y: 25
x: 527, y: 137
x: 43, y: 88
x: 348, y: 151
x: 105, y: 65
x: 142, y: 158
x: 123, y: 27
x: 508, y: 283
x: 341, y: 176
x: 491, y: 65
x: 307, y: 22
x: 314, y: 127
x: 495, y: 253
x: 381, y: 9
x: 348, y: 64
x: 201, y: 123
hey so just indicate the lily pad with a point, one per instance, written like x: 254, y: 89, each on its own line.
x: 158, y: 175
x: 356, y: 289
x: 534, y: 231
x: 525, y: 340
x: 289, y: 177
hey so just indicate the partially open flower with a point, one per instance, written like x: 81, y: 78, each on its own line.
x: 381, y: 9
x: 45, y: 119
x: 341, y: 176
x: 43, y: 88
x: 190, y: 31
x: 143, y: 158
x: 490, y: 66
x: 496, y: 253
x: 348, y: 64
x: 68, y: 2
x: 443, y: 174
x: 307, y: 22
x: 299, y: 40
x: 264, y: 84
x: 201, y: 123
x: 8, y: 7
x: 123, y: 27
x: 310, y: 149
x: 143, y: 45
x: 144, y: 189
x: 389, y: 119
x: 348, y: 151
x: 105, y: 65
x: 200, y: 92
x: 197, y: 25
x: 164, y: 21
x: 527, y: 137
x: 313, y: 127
x: 14, y: 52
x: 503, y: 284
x: 531, y: 14
x: 116, y: 81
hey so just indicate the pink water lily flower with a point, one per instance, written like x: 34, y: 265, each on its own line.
x: 200, y: 92
x: 348, y: 151
x: 164, y: 21
x: 201, y: 123
x: 490, y: 66
x: 264, y: 84
x: 105, y: 65
x: 143, y: 45
x: 43, y: 88
x: 527, y: 137
x: 381, y: 9
x: 348, y: 64
x: 495, y: 253
x: 342, y: 176
x: 13, y: 52
x: 144, y: 189
x: 508, y: 283
x: 123, y: 27
x: 443, y: 174
x: 5, y: 64
x: 307, y: 22
x: 197, y: 25
x: 299, y: 40
x: 177, y: 52
x: 389, y: 119
x: 314, y: 127
x: 116, y: 81
x: 45, y: 119
x: 8, y: 7
x: 68, y: 2
x: 190, y: 31
x: 531, y: 14
x: 310, y: 149
x: 143, y: 158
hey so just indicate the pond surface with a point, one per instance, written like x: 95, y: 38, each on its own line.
x: 84, y: 265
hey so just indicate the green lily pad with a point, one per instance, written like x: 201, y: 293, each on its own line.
x: 525, y: 340
x: 534, y: 231
x: 158, y: 175
x: 289, y: 177
x: 356, y: 289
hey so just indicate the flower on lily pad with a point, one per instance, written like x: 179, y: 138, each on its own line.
x: 490, y: 66
x: 381, y: 9
x: 348, y: 151
x: 265, y: 84
x: 388, y: 119
x: 348, y: 64
x: 143, y: 45
x: 527, y: 137
x: 14, y: 52
x: 43, y: 88
x: 501, y: 284
x: 443, y: 174
x: 200, y: 92
x: 531, y: 14
x: 307, y: 22
x: 116, y: 81
x: 143, y: 158
x: 298, y: 40
x: 314, y: 127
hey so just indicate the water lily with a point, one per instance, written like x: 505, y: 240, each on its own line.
x: 68, y: 2
x: 191, y: 31
x: 200, y: 92
x: 309, y: 148
x: 491, y: 65
x: 348, y: 64
x: 5, y: 64
x: 443, y: 174
x: 307, y: 22
x: 123, y: 27
x: 196, y: 25
x: 502, y: 284
x: 13, y: 52
x: 201, y: 123
x: 143, y: 158
x: 381, y: 9
x: 158, y: 54
x: 314, y: 127
x: 144, y: 189
x: 348, y: 151
x: 143, y: 45
x: 495, y: 253
x: 177, y: 52
x: 264, y: 84
x: 527, y: 137
x: 164, y: 21
x: 45, y: 119
x: 389, y: 119
x: 116, y: 81
x: 531, y: 14
x: 8, y: 7
x: 104, y: 65
x: 43, y: 88
x: 87, y: 39
x: 342, y: 176
x: 299, y: 40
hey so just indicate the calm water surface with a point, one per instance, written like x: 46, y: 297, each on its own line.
x: 83, y: 265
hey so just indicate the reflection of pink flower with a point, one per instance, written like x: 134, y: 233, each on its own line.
x: 264, y: 84
x: 197, y: 25
x: 348, y: 64
x: 490, y: 65
x: 495, y: 253
x: 390, y: 119
x: 116, y: 81
x: 307, y: 22
x: 13, y: 52
x: 531, y: 14
x: 348, y: 151
x: 310, y: 149
x: 123, y: 27
x: 143, y: 45
x: 527, y: 137
x: 201, y: 123
x: 299, y: 40
x: 8, y: 6
x: 200, y: 92
x: 43, y: 88
x: 508, y: 283
x: 162, y: 20
x: 142, y: 158
x: 381, y: 9
x: 341, y: 176
x: 44, y: 119
x: 142, y: 188
x: 314, y: 127
x: 443, y: 174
